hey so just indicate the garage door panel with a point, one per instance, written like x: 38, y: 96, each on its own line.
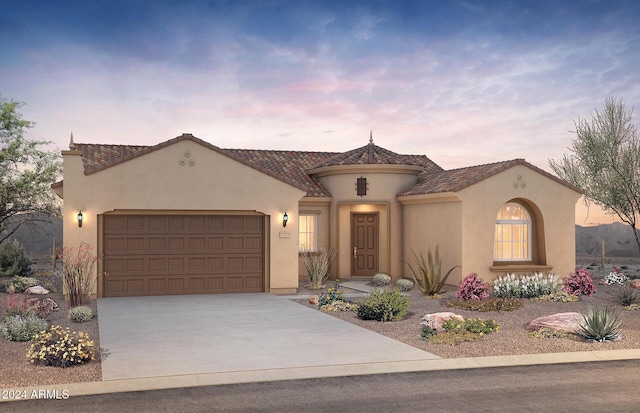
x: 147, y: 255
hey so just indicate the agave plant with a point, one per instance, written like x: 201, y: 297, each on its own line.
x: 600, y: 324
x: 427, y: 274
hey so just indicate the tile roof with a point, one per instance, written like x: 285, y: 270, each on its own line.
x: 293, y: 166
x: 373, y: 154
x: 455, y: 180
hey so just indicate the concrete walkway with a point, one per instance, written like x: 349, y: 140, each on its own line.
x: 185, y: 335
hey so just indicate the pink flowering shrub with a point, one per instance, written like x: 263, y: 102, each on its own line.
x: 78, y: 277
x: 579, y: 283
x: 472, y: 288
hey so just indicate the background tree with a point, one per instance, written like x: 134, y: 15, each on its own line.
x: 605, y: 162
x: 26, y: 173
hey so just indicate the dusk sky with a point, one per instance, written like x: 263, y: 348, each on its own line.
x: 463, y: 82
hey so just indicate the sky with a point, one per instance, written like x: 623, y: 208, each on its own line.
x: 463, y: 82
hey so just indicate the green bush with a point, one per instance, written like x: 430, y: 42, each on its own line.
x: 472, y: 325
x: 13, y: 259
x: 388, y: 305
x: 61, y: 348
x: 81, y: 314
x: 404, y: 285
x: 600, y: 324
x: 381, y: 279
x: 22, y: 328
x: 18, y: 284
x: 492, y: 304
x: 340, y: 306
x: 333, y: 294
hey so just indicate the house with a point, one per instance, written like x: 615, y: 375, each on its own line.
x: 185, y: 216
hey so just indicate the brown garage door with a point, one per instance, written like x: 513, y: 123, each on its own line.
x: 182, y: 254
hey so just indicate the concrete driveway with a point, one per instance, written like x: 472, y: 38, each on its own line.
x: 196, y: 334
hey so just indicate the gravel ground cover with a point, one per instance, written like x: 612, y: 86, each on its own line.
x: 512, y: 338
x: 18, y: 371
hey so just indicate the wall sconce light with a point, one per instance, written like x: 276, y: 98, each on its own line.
x: 80, y: 219
x: 285, y: 218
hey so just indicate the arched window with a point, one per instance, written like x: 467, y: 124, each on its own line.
x: 512, y: 240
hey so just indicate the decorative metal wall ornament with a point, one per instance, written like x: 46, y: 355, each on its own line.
x: 362, y: 186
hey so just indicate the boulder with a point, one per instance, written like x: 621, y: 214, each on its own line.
x: 635, y: 283
x: 38, y: 289
x: 43, y: 306
x: 313, y: 300
x: 563, y: 322
x: 434, y: 321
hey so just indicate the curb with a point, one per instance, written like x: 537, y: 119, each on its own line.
x: 299, y: 373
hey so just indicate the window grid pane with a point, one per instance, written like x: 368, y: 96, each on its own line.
x: 512, y: 233
x: 307, y: 233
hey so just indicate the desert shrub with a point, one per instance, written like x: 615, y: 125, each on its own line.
x: 427, y: 274
x: 388, y: 305
x: 317, y: 264
x: 525, y: 286
x: 340, y: 306
x: 472, y: 288
x: 81, y: 314
x: 632, y: 307
x: 61, y: 348
x: 472, y: 325
x: 78, y: 278
x: 599, y: 324
x: 615, y: 278
x: 458, y: 331
x: 545, y: 332
x: 13, y: 259
x: 18, y: 304
x: 381, y: 279
x: 22, y: 328
x: 493, y: 304
x: 18, y: 284
x: 559, y: 297
x: 333, y: 294
x: 579, y: 283
x: 404, y: 285
x: 625, y: 296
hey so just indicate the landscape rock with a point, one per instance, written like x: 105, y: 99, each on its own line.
x: 635, y: 283
x: 434, y: 321
x: 313, y: 300
x: 38, y: 289
x: 43, y: 306
x: 563, y: 322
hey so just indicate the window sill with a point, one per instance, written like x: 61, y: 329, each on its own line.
x: 520, y: 268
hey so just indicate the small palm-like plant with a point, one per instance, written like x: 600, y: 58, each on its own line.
x: 427, y: 274
x: 600, y: 324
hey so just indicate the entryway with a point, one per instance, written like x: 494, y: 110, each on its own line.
x: 365, y: 244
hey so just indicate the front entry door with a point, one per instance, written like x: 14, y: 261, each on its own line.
x: 364, y: 240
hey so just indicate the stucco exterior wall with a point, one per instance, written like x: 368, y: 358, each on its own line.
x: 480, y: 205
x: 185, y: 176
x: 383, y: 186
x: 434, y: 221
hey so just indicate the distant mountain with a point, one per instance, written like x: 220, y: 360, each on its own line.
x: 37, y: 238
x: 618, y: 240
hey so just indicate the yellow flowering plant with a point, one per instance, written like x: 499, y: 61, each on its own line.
x: 60, y: 347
